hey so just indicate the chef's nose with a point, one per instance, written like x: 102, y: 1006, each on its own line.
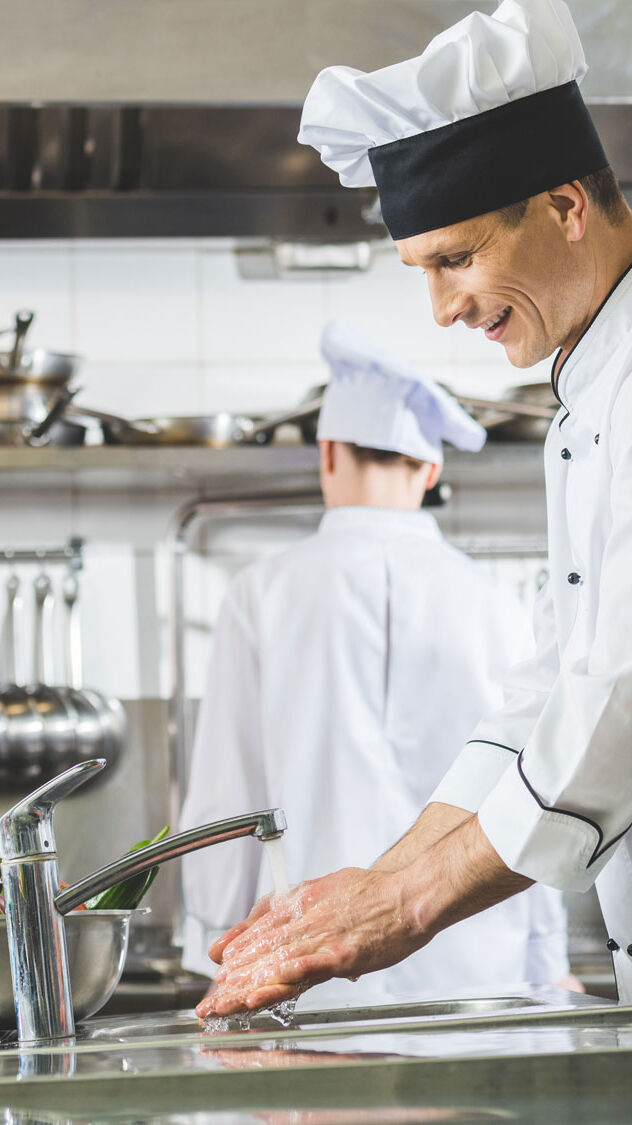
x: 449, y: 303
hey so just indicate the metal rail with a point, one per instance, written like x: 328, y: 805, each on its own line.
x: 72, y: 554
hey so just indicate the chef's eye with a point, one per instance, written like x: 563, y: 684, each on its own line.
x: 460, y: 262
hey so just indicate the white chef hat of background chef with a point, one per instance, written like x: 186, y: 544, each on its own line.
x: 488, y: 115
x: 381, y: 402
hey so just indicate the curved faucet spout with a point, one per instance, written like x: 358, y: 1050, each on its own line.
x: 266, y: 825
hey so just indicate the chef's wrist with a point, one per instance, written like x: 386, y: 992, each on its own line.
x: 458, y: 876
x: 413, y: 905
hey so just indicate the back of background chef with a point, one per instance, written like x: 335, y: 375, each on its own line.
x: 346, y: 674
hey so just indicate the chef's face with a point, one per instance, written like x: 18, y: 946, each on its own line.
x: 525, y: 286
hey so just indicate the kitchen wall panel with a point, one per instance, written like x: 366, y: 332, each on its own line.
x: 268, y: 321
x: 134, y: 304
x: 38, y: 275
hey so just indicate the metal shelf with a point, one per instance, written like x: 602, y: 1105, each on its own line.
x: 500, y: 464
x: 497, y: 494
x: 184, y: 468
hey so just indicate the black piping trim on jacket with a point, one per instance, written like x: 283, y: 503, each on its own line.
x: 555, y: 380
x: 599, y: 850
x: 487, y: 742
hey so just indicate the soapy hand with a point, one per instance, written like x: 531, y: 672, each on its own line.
x: 342, y: 925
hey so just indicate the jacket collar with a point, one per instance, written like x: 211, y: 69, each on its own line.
x: 379, y: 521
x: 611, y: 323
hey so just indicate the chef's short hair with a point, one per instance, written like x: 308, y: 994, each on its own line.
x: 601, y: 187
x: 364, y: 455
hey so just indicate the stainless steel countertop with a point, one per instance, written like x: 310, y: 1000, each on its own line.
x: 555, y: 1057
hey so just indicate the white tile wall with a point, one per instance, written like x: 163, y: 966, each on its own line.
x: 169, y: 326
x: 38, y: 275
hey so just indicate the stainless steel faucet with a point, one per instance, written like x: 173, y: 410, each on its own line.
x: 35, y: 906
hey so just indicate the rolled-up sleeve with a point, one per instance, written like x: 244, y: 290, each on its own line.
x: 499, y: 737
x: 566, y: 799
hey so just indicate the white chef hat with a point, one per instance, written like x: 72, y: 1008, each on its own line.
x: 488, y: 115
x: 381, y: 402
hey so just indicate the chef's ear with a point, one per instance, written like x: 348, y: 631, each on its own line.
x: 327, y: 456
x: 433, y: 476
x: 570, y: 207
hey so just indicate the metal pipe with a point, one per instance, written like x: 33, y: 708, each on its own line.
x: 71, y: 554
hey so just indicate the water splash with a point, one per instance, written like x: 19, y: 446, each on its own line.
x: 238, y: 1021
x: 282, y: 1013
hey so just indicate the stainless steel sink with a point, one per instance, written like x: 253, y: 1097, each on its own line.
x: 551, y: 1054
x: 426, y: 1009
x: 536, y: 1005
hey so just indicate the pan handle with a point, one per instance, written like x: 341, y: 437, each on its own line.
x: 80, y: 411
x: 23, y: 321
x: 38, y: 434
x: 507, y: 407
x: 297, y: 415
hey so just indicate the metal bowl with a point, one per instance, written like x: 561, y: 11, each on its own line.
x: 97, y: 947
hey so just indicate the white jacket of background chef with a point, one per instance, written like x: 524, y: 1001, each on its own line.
x: 550, y: 773
x: 345, y: 674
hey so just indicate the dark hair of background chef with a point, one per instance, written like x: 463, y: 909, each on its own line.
x: 365, y: 456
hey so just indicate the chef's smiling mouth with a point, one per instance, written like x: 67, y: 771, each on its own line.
x: 495, y: 325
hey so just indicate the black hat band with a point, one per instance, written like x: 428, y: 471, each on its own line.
x: 485, y: 162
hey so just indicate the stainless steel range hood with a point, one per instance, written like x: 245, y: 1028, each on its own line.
x: 156, y: 118
x: 130, y: 171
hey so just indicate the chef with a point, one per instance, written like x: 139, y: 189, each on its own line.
x: 330, y: 666
x: 493, y: 181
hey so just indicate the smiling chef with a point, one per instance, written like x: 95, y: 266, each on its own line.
x: 493, y: 181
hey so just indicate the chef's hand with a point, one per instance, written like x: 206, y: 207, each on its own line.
x: 342, y: 925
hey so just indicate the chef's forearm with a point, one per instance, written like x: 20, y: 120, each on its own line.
x: 434, y: 822
x: 459, y: 875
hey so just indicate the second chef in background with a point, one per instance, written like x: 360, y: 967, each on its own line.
x: 347, y: 672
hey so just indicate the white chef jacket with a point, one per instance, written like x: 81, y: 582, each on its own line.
x: 344, y: 676
x: 550, y: 772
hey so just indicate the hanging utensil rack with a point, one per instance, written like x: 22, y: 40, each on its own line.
x: 72, y: 554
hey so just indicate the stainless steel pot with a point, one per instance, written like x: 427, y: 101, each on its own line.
x: 34, y: 393
x: 40, y: 366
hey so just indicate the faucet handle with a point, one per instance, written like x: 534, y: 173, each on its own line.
x: 27, y: 828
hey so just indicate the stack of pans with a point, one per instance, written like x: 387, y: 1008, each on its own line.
x: 44, y: 729
x: 35, y: 391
